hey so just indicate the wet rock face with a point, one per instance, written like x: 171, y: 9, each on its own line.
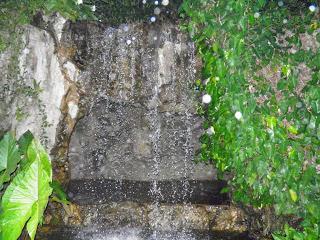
x: 142, y: 221
x: 139, y: 119
x: 32, y: 87
x: 6, y: 97
x: 120, y: 11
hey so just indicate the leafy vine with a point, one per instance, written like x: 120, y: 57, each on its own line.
x: 261, y: 102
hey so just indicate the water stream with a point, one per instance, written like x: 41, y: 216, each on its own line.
x: 131, y: 153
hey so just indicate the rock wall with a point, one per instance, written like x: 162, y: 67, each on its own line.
x: 139, y: 120
x: 115, y: 108
x: 32, y: 86
x: 133, y: 85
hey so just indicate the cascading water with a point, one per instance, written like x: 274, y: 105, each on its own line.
x: 131, y: 152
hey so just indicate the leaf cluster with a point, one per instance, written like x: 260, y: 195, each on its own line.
x: 262, y: 59
x: 27, y: 166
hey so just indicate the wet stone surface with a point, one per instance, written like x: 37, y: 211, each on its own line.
x: 173, y: 191
x: 128, y: 220
x: 139, y: 120
x: 31, y: 86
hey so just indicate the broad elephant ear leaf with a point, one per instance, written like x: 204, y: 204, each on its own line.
x: 24, y: 142
x: 26, y: 198
x: 9, y: 158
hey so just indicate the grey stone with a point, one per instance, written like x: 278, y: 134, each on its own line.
x: 139, y: 112
x: 162, y: 218
x: 32, y: 86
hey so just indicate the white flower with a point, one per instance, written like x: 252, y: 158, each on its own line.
x: 256, y: 15
x: 210, y: 130
x: 312, y: 8
x: 79, y: 1
x: 156, y: 2
x: 285, y: 21
x: 165, y: 2
x: 238, y: 115
x: 206, y: 98
x: 153, y: 19
x: 280, y: 3
x: 128, y: 41
x: 133, y: 38
x: 206, y: 81
x: 93, y: 8
x: 144, y: 1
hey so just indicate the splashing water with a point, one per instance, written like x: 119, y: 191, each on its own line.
x: 139, y: 128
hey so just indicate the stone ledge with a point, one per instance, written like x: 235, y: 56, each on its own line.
x: 92, y: 191
x: 101, y: 233
x: 142, y: 221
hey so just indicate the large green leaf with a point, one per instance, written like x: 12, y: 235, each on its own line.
x: 24, y: 141
x: 9, y: 157
x: 27, y: 196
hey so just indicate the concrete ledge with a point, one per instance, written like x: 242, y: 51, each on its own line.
x: 134, y: 221
x: 136, y: 234
x: 93, y: 191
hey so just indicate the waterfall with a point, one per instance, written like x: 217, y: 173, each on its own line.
x: 130, y: 154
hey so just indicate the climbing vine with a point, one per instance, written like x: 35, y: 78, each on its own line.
x: 261, y: 103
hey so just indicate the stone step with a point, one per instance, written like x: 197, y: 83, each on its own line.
x: 136, y: 234
x: 92, y: 191
x: 136, y: 221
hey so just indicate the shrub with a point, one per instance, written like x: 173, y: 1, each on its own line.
x: 261, y: 65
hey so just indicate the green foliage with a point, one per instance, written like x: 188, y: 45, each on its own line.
x: 26, y: 198
x: 262, y: 60
x: 9, y: 158
x: 24, y: 142
x: 59, y: 195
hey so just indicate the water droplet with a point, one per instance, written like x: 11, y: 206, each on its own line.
x: 165, y: 2
x: 157, y: 11
x: 126, y: 28
x: 153, y: 19
x: 312, y: 8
